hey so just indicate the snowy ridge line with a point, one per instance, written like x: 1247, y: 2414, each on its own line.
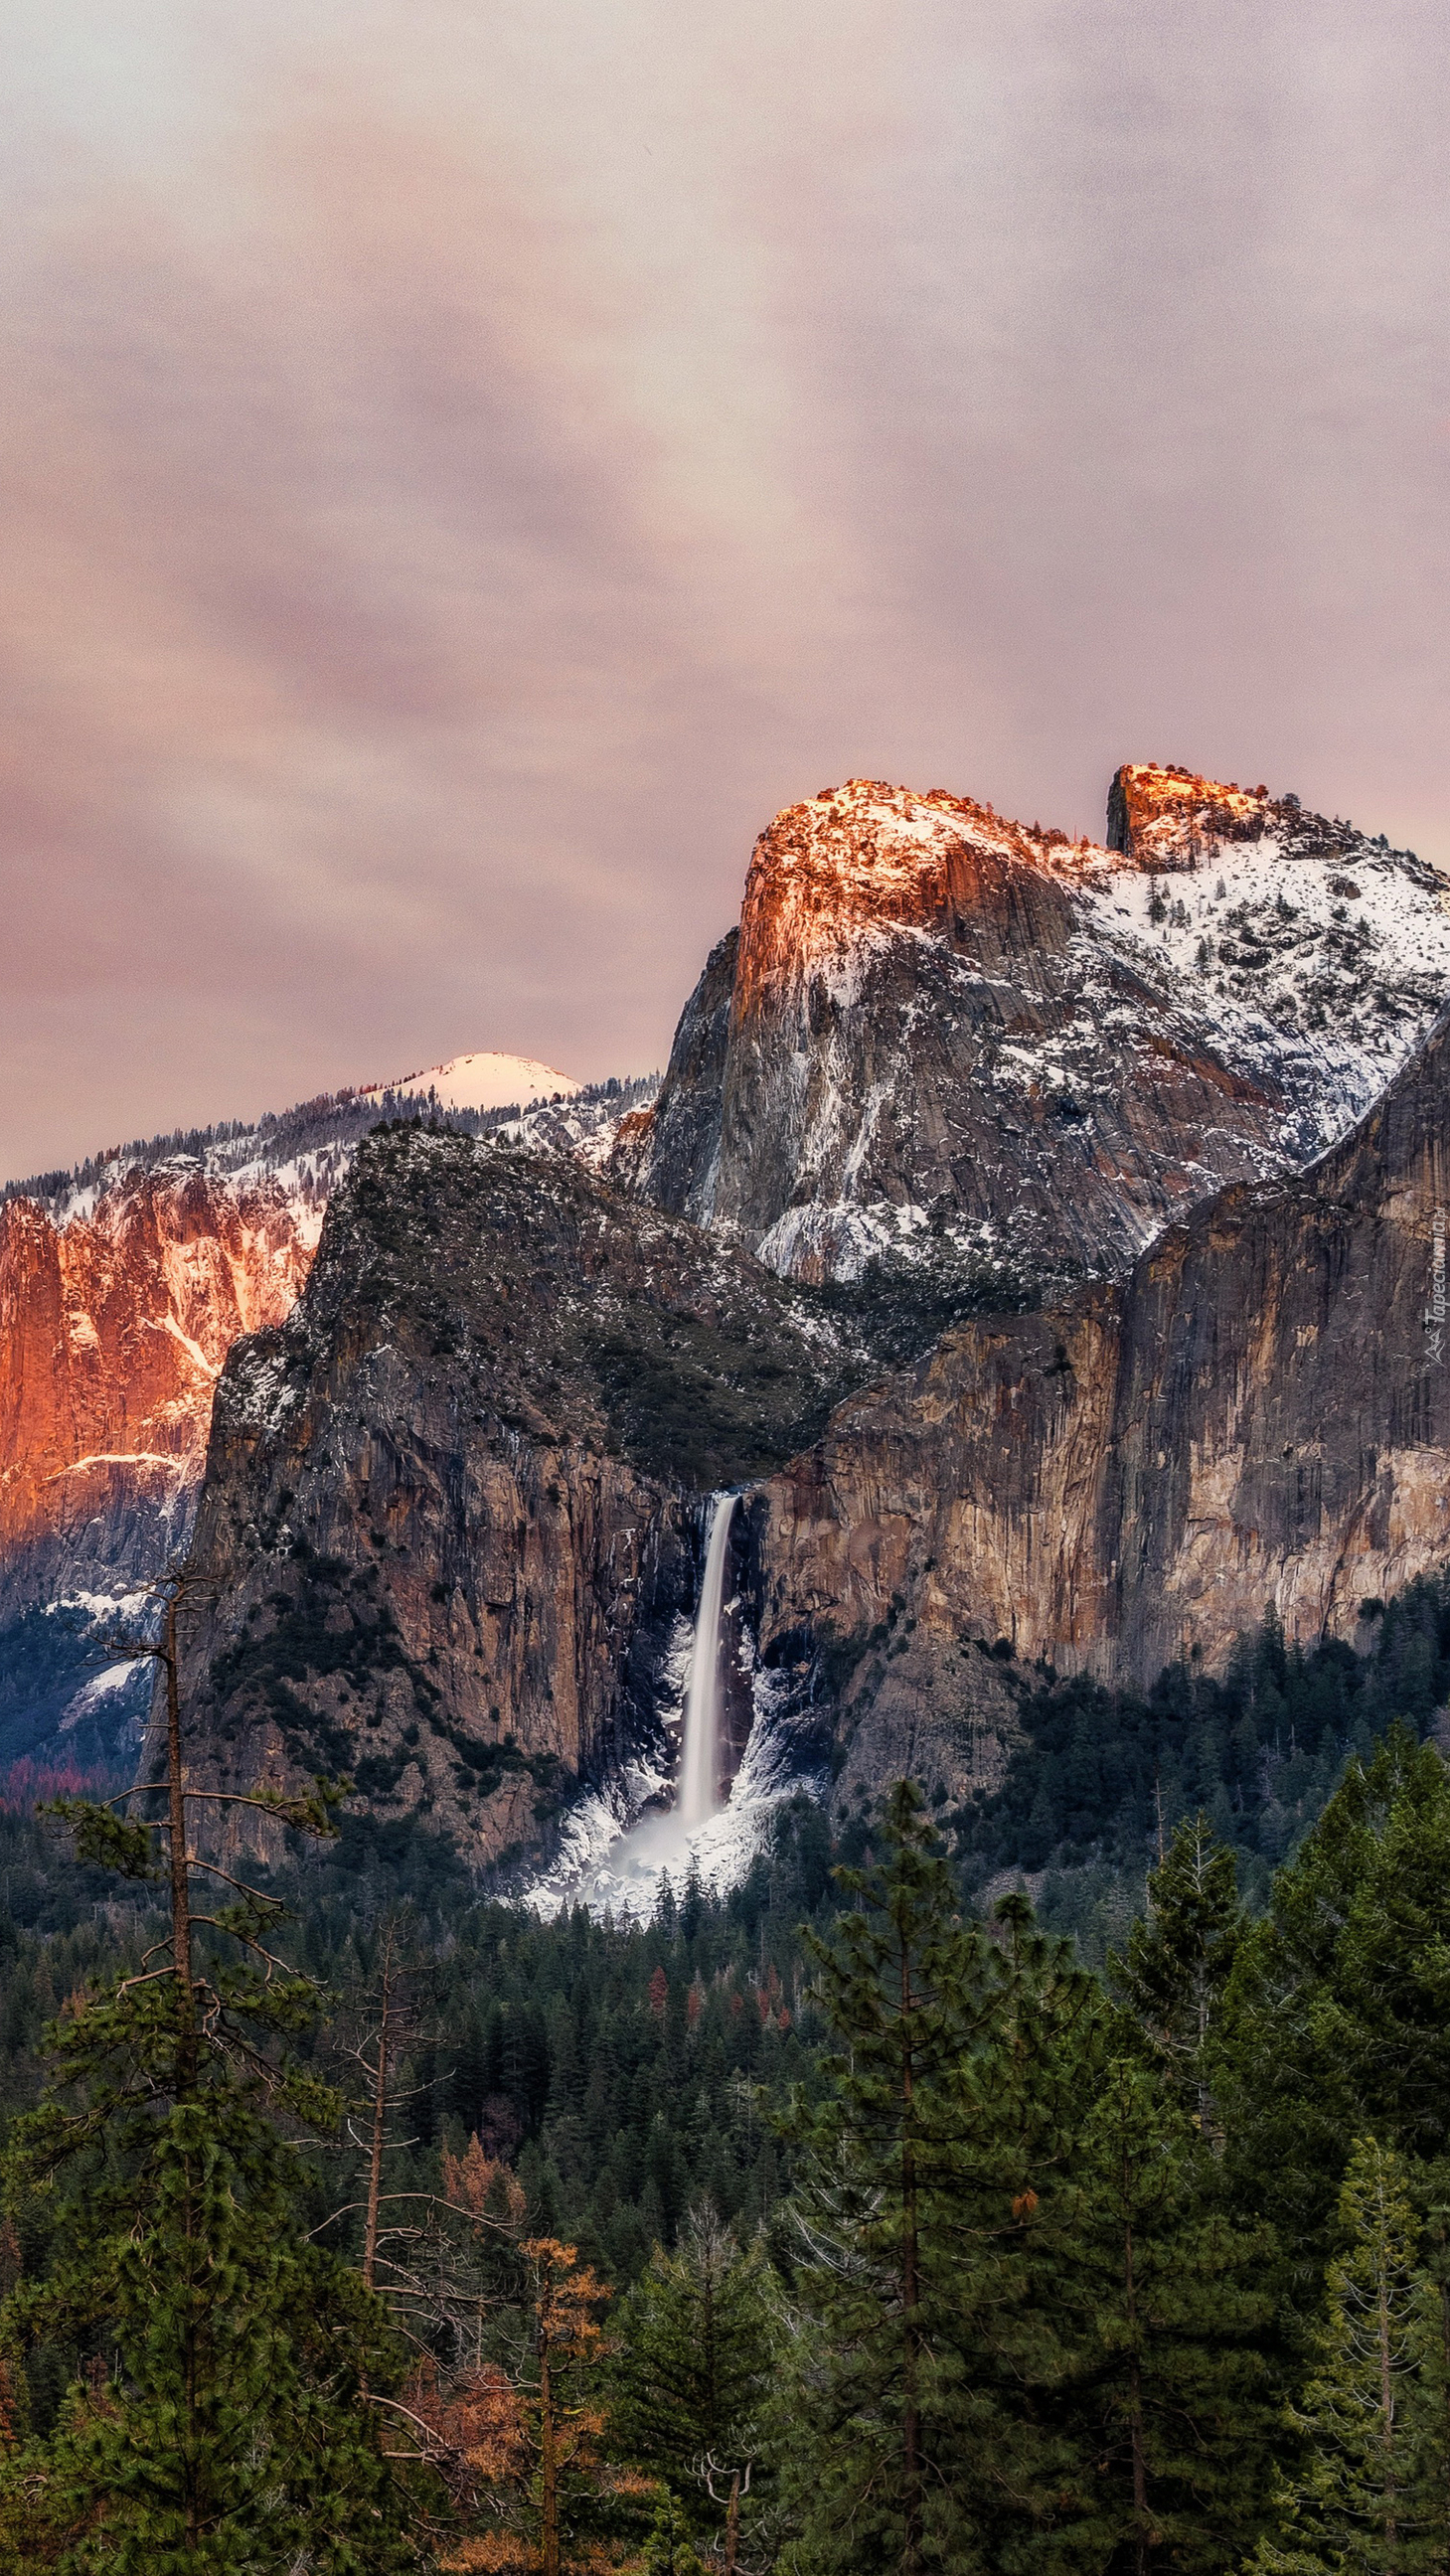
x: 1302, y: 958
x: 306, y: 1151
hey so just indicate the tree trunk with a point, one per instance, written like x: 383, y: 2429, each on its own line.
x: 380, y: 2125
x: 732, y: 2525
x: 181, y: 1954
x: 910, y: 2299
x: 548, y: 2470
x: 1142, y: 2537
x: 1387, y: 2421
x: 1444, y: 2551
x: 187, y: 2056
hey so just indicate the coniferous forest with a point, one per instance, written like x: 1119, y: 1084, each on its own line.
x: 856, y: 2221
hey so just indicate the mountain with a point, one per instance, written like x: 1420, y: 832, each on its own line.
x: 482, y: 1082
x: 451, y: 1510
x: 1255, y: 1421
x: 453, y: 1513
x: 1001, y: 1228
x: 935, y: 1027
x: 123, y: 1285
x: 450, y: 1524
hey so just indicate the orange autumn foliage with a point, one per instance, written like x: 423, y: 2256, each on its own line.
x: 471, y: 2180
x: 533, y: 2447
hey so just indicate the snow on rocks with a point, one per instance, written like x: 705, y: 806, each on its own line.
x: 622, y: 1872
x: 943, y: 1027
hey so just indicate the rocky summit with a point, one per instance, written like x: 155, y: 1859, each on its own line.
x: 934, y: 1024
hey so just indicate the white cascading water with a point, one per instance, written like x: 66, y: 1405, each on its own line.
x: 700, y: 1745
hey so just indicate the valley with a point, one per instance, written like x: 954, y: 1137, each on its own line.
x: 1034, y: 1235
x: 902, y: 1563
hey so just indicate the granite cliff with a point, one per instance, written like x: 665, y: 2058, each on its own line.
x: 452, y: 1513
x: 123, y: 1285
x: 113, y: 1330
x: 1256, y: 1418
x: 452, y: 1508
x: 977, y: 1232
x: 934, y: 1025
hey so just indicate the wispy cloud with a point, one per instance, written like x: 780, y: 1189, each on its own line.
x: 461, y: 467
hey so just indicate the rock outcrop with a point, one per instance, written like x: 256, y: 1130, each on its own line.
x: 935, y: 1025
x: 453, y: 1511
x: 1257, y: 1418
x: 123, y: 1286
x: 454, y: 1497
x: 114, y: 1324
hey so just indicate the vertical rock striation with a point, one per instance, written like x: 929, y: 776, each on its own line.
x: 1258, y: 1416
x: 113, y: 1329
x: 454, y: 1507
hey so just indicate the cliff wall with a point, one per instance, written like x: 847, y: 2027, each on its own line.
x: 1257, y: 1416
x: 113, y: 1329
x: 454, y: 1506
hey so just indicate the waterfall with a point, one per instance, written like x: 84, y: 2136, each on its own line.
x: 700, y: 1750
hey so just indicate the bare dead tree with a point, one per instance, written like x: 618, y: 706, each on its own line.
x: 710, y: 2470
x: 421, y: 2249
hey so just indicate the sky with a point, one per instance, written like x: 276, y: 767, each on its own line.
x: 465, y: 464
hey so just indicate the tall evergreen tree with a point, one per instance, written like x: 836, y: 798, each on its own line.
x: 1174, y: 1973
x: 696, y: 2340
x: 1338, y: 2009
x: 219, y: 2422
x: 1019, y: 2102
x: 1370, y: 2493
x: 906, y: 1990
x: 1169, y: 2403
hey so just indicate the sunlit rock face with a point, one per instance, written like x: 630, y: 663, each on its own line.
x: 935, y: 1026
x: 1257, y: 1417
x: 123, y: 1286
x: 116, y: 1315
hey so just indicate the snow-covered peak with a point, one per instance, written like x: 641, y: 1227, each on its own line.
x: 1317, y: 951
x: 485, y: 1081
x: 939, y: 1024
x: 307, y: 1151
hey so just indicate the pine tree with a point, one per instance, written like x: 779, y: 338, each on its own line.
x: 1174, y: 1973
x: 670, y: 2550
x: 1338, y: 2011
x: 550, y: 2500
x: 871, y: 2425
x: 1169, y: 2400
x: 696, y: 2349
x: 1370, y: 2495
x: 219, y: 2422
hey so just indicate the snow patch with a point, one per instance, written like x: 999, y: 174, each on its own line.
x: 621, y: 1873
